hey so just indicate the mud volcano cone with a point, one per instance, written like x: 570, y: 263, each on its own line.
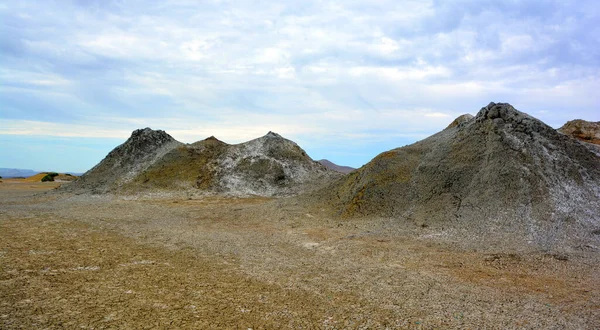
x: 502, y: 172
x: 125, y: 162
x: 153, y: 162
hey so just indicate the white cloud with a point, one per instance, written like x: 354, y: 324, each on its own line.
x: 47, y: 79
x: 387, y: 46
x: 437, y: 115
x: 272, y: 55
x: 31, y: 127
x: 349, y: 69
x: 517, y: 43
x: 407, y: 73
x: 193, y: 50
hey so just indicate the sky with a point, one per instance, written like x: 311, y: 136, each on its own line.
x: 346, y: 80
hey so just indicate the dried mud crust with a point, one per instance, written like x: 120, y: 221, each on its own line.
x: 264, y: 264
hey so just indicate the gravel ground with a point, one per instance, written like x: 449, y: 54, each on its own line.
x: 77, y: 261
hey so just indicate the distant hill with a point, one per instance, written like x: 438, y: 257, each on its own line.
x: 16, y: 173
x: 24, y: 173
x: 587, y: 131
x: 60, y: 177
x: 153, y: 161
x: 332, y: 166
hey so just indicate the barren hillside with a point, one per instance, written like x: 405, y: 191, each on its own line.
x: 502, y: 173
x: 125, y: 162
x: 152, y: 161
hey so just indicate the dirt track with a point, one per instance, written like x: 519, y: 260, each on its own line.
x: 82, y: 262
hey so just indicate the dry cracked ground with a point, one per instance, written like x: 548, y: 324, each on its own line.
x: 231, y: 263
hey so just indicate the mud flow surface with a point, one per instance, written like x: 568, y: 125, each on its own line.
x: 75, y: 261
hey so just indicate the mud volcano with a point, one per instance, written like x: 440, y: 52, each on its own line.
x: 501, y: 173
x: 152, y: 161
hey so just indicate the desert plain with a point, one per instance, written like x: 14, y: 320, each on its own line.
x: 218, y: 262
